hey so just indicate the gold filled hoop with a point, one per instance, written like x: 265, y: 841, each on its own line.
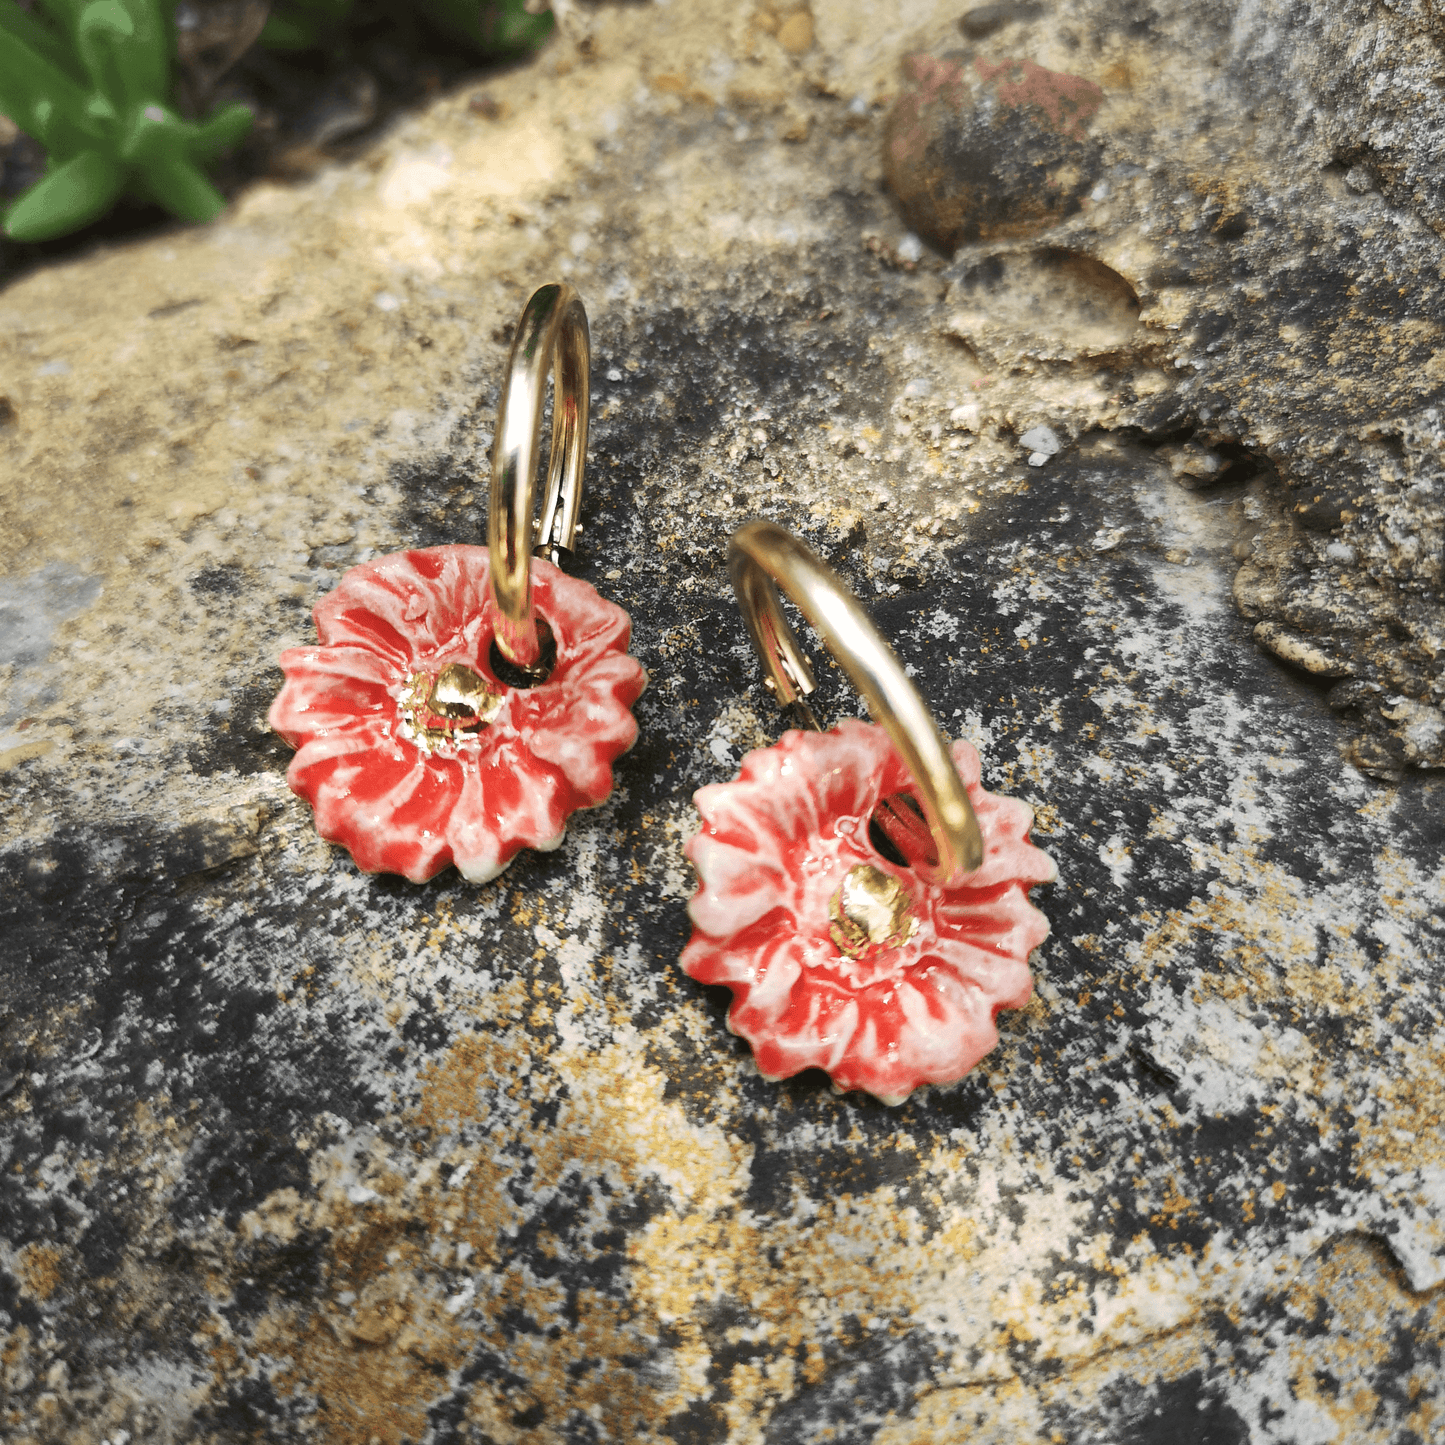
x: 552, y: 337
x: 762, y: 558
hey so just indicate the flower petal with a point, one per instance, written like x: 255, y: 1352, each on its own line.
x: 738, y: 886
x: 383, y: 801
x: 331, y: 687
x: 584, y: 723
x: 1002, y: 921
x: 507, y: 802
x: 814, y: 1034
x: 929, y: 1027
x: 410, y: 605
x: 585, y: 624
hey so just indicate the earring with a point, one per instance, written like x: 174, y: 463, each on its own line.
x: 464, y: 701
x: 856, y: 935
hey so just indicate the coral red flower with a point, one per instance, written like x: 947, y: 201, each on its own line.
x: 412, y: 752
x: 839, y: 959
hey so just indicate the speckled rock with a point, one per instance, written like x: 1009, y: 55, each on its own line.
x: 292, y: 1153
x: 1246, y: 221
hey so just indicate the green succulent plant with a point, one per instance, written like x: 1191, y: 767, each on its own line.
x: 92, y: 86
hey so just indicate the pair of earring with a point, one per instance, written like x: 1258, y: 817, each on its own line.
x: 861, y: 894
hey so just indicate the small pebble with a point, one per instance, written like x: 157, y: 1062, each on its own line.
x: 1192, y: 465
x: 983, y: 20
x: 482, y: 104
x: 910, y: 249
x: 1042, y: 443
x: 985, y: 148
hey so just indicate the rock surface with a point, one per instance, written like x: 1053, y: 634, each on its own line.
x: 288, y: 1152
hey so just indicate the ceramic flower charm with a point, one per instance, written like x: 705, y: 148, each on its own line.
x: 837, y: 958
x: 412, y: 752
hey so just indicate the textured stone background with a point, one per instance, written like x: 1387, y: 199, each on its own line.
x: 292, y: 1153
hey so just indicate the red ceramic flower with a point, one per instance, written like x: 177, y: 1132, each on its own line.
x: 410, y: 750
x: 837, y: 958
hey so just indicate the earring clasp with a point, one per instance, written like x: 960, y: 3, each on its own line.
x: 552, y: 336
x: 763, y: 557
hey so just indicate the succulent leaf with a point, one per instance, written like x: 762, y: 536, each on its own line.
x: 41, y: 99
x: 183, y: 189
x: 66, y: 15
x: 66, y: 199
x: 124, y: 46
x: 146, y: 57
x: 20, y: 25
x: 227, y: 127
x: 151, y: 132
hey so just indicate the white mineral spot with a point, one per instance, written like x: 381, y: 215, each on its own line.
x: 721, y: 749
x: 614, y: 373
x: 1041, y: 442
x: 1217, y: 1054
x: 919, y: 386
x: 54, y: 368
x: 385, y: 301
x: 910, y: 249
x: 360, y: 1194
x: 412, y: 182
x: 1114, y: 855
x: 943, y: 625
x: 965, y: 417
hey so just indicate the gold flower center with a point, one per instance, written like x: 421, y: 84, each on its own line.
x: 870, y: 909
x: 453, y: 702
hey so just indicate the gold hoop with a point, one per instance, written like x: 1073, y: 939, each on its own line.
x: 552, y: 336
x: 763, y: 557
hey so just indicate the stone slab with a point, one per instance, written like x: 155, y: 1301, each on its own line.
x: 289, y: 1152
